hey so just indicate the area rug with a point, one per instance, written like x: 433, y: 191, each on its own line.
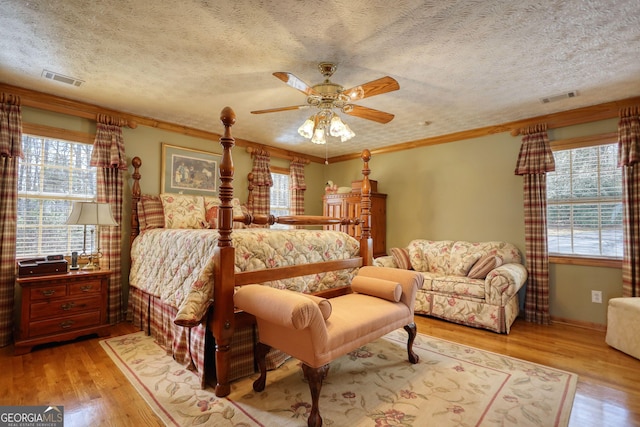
x: 452, y: 385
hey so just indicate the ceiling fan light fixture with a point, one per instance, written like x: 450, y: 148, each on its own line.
x: 323, y: 124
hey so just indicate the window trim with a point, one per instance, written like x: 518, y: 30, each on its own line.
x: 583, y: 142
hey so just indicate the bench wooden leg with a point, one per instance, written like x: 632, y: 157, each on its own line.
x: 315, y: 376
x: 412, y: 330
x: 260, y: 355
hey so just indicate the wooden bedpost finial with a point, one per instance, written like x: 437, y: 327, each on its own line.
x: 366, y: 155
x: 227, y: 117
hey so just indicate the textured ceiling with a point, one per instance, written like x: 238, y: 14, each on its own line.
x: 461, y: 64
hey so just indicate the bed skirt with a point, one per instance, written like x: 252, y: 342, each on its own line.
x: 192, y: 347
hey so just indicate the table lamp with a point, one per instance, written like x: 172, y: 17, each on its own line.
x: 91, y: 213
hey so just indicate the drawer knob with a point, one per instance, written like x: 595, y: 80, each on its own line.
x: 68, y: 306
x: 48, y: 292
x: 66, y: 324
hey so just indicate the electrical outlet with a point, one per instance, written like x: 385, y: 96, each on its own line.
x: 596, y: 296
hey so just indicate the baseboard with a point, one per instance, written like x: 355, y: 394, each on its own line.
x: 579, y: 323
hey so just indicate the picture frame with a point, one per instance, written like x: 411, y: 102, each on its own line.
x: 189, y: 171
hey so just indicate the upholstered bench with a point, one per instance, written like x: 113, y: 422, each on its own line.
x: 623, y: 317
x: 316, y: 331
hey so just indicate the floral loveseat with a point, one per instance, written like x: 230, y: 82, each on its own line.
x: 475, y: 284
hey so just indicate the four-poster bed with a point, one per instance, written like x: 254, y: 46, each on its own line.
x: 196, y: 307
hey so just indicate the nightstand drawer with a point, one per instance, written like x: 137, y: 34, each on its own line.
x: 86, y: 287
x: 48, y: 292
x: 60, y: 325
x: 66, y: 307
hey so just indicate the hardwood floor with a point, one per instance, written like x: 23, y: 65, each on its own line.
x: 81, y: 377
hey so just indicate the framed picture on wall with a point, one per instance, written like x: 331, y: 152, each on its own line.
x: 189, y: 171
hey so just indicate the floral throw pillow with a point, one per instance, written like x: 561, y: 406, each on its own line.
x: 183, y: 210
x: 484, y: 265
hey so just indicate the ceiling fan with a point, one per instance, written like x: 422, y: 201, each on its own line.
x: 327, y: 96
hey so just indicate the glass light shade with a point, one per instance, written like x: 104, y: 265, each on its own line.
x: 306, y: 129
x: 347, y: 133
x: 337, y: 128
x: 91, y: 213
x: 318, y: 136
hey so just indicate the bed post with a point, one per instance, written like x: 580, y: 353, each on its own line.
x: 224, y: 262
x: 135, y: 198
x: 366, y: 242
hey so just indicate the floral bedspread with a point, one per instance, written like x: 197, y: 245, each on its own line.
x: 177, y: 264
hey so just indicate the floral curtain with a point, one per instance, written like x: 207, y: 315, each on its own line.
x: 262, y: 183
x: 534, y: 161
x: 109, y: 157
x: 629, y: 160
x: 10, y: 152
x: 297, y: 186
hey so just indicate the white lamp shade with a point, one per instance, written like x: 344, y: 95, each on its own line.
x: 91, y: 213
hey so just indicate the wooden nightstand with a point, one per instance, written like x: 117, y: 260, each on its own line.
x: 60, y: 307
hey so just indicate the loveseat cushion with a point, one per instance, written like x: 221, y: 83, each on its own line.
x: 458, y: 286
x: 429, y: 255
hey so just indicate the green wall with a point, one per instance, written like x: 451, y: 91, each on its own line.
x: 464, y: 190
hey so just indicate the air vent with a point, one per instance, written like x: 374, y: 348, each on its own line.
x: 555, y: 98
x: 61, y: 78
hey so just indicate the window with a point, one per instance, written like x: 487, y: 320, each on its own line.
x: 584, y: 203
x: 279, y: 196
x: 52, y: 175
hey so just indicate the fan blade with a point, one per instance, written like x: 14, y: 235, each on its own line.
x: 295, y: 83
x: 370, y: 114
x: 275, y: 110
x: 375, y: 87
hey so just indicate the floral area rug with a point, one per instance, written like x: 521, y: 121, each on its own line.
x: 452, y: 385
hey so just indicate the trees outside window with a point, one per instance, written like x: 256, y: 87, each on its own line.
x: 53, y: 174
x: 584, y: 203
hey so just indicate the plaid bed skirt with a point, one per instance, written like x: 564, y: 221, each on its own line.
x: 189, y: 346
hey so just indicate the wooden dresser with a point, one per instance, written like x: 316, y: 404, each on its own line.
x: 347, y: 205
x: 60, y: 307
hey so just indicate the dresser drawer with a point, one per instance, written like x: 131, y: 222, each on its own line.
x: 48, y: 292
x: 85, y: 287
x: 60, y: 307
x: 65, y: 307
x: 64, y: 324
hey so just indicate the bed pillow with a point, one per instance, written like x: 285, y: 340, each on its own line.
x: 183, y: 210
x: 380, y: 288
x: 150, y: 212
x: 484, y: 265
x: 211, y: 211
x: 401, y: 257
